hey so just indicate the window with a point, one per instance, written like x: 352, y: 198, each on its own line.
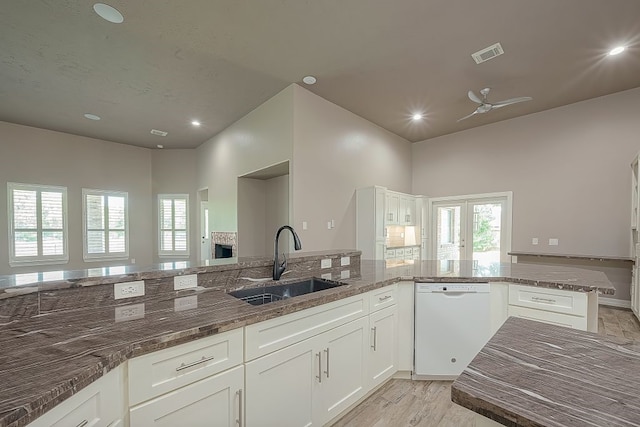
x: 105, y: 218
x: 37, y: 224
x: 173, y: 222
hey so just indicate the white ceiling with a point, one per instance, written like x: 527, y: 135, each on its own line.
x: 174, y: 61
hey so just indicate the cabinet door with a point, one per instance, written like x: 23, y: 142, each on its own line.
x: 214, y: 401
x: 391, y: 208
x: 383, y: 348
x: 280, y: 386
x: 344, y: 375
x: 407, y: 210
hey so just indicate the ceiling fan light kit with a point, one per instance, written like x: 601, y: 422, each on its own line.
x: 486, y: 106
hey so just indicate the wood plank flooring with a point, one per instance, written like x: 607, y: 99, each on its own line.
x: 428, y: 403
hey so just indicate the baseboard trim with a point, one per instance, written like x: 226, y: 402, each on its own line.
x: 622, y: 303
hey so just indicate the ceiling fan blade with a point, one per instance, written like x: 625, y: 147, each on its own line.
x: 466, y: 117
x: 475, y: 98
x: 511, y: 101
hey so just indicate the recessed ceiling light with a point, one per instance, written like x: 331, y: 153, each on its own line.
x: 417, y: 117
x: 91, y: 116
x: 108, y: 13
x: 310, y: 80
x: 195, y: 123
x: 160, y: 146
x: 617, y: 50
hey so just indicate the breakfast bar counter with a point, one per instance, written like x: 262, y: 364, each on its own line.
x: 532, y: 374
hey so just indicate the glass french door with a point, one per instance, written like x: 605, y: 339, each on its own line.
x: 475, y: 229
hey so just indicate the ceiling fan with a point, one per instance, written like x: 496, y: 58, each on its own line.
x: 486, y: 106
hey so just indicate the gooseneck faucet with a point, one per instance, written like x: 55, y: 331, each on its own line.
x: 278, y: 268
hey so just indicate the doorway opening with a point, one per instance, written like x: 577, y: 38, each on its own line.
x: 204, y: 251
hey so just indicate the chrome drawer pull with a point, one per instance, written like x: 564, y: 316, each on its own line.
x: 83, y: 423
x: 197, y: 362
x: 547, y: 300
x: 384, y: 298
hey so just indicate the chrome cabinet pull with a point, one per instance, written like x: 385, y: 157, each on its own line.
x: 239, y: 419
x: 83, y: 423
x: 384, y: 298
x: 375, y: 335
x: 319, y: 376
x: 547, y: 300
x: 197, y: 362
x: 327, y: 371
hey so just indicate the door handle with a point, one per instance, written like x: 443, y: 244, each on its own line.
x: 375, y: 333
x: 319, y: 376
x: 239, y: 419
x: 327, y: 371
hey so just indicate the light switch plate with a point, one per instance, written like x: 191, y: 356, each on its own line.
x: 345, y: 260
x: 325, y: 263
x: 185, y: 282
x: 534, y: 241
x: 553, y: 242
x: 128, y: 289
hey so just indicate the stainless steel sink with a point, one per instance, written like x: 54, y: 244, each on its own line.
x: 267, y: 294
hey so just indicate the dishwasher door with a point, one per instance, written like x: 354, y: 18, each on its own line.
x: 452, y: 324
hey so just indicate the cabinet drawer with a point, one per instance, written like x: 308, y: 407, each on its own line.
x: 575, y: 322
x: 99, y: 404
x: 416, y: 254
x: 556, y: 300
x: 408, y: 251
x: 165, y: 370
x: 266, y: 337
x: 390, y: 253
x: 399, y: 253
x: 384, y: 297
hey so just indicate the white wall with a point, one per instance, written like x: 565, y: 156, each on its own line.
x: 568, y: 169
x: 262, y: 138
x: 251, y: 217
x: 37, y: 156
x: 276, y: 213
x: 334, y: 153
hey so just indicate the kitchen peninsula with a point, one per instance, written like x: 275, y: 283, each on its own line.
x: 59, y: 337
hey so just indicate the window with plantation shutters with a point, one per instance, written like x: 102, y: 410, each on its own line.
x: 37, y: 224
x: 105, y: 225
x: 173, y: 221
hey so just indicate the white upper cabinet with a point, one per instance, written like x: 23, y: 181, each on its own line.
x: 392, y: 209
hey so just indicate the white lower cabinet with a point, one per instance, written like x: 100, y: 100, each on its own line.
x: 100, y: 404
x: 213, y: 402
x: 383, y: 345
x: 310, y: 382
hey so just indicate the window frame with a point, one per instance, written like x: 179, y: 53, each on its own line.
x: 173, y: 253
x: 86, y: 256
x: 39, y: 259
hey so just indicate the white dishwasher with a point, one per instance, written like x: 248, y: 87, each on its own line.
x: 452, y: 324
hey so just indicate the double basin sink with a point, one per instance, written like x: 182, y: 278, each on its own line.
x: 266, y: 294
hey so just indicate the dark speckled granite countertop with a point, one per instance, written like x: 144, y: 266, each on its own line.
x: 47, y: 357
x: 533, y: 374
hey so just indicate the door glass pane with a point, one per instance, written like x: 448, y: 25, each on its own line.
x: 448, y: 232
x: 487, y: 220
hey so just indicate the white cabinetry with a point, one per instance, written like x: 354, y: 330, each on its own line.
x: 407, y: 210
x: 383, y: 347
x: 215, y: 401
x: 635, y: 236
x: 196, y: 384
x: 556, y: 306
x: 100, y: 404
x: 392, y: 208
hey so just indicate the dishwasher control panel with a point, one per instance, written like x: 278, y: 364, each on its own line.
x: 452, y: 287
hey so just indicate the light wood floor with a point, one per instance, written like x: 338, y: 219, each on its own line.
x: 428, y: 403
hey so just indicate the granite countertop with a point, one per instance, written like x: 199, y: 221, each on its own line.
x: 52, y: 354
x: 533, y: 374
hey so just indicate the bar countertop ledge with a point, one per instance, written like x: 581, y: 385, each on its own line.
x: 533, y: 374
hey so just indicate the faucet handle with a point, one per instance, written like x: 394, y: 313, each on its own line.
x: 284, y: 262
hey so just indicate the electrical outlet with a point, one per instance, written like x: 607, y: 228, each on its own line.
x: 185, y: 303
x: 128, y: 289
x: 185, y: 282
x: 129, y: 312
x: 325, y: 263
x: 345, y: 260
x: 534, y: 241
x: 304, y: 225
x: 553, y: 242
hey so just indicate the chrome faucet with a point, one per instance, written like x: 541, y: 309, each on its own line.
x: 278, y: 268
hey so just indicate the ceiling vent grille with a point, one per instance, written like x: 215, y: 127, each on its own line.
x: 159, y: 132
x: 487, y: 53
